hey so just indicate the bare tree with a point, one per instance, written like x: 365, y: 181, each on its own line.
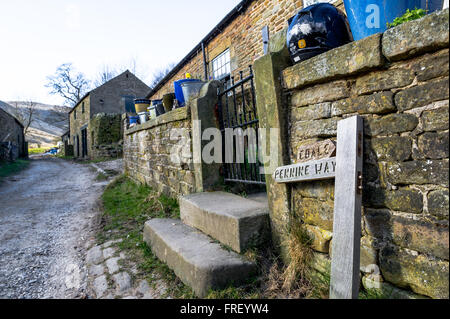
x: 160, y: 73
x: 68, y: 83
x: 25, y: 113
x: 106, y: 73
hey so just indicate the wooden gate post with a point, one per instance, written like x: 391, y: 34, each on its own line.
x: 347, y: 210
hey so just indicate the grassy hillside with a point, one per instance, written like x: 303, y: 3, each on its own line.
x: 50, y: 121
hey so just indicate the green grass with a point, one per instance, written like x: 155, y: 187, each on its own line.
x: 127, y: 206
x: 8, y: 169
x: 40, y: 150
x: 101, y: 177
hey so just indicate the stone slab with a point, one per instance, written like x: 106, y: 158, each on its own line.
x: 349, y: 59
x: 123, y: 281
x: 415, y: 37
x: 94, y: 255
x: 100, y: 286
x: 233, y: 220
x: 194, y: 257
x: 113, y: 265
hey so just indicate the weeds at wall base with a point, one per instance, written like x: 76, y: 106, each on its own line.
x: 11, y: 168
x: 127, y: 206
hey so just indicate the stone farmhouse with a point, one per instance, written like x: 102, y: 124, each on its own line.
x: 395, y: 86
x: 12, y: 138
x: 95, y: 129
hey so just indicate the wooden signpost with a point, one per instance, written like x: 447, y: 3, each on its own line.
x: 308, y: 171
x: 346, y: 168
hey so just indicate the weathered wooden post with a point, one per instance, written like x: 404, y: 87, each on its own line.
x: 347, y: 210
x: 316, y: 163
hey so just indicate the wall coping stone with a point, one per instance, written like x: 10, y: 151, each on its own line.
x: 405, y: 41
x: 412, y: 38
x: 344, y: 61
x: 172, y: 116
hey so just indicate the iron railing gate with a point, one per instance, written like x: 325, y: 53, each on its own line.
x: 237, y: 110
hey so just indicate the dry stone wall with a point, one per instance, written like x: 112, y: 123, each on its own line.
x: 106, y: 137
x: 148, y: 149
x: 398, y: 82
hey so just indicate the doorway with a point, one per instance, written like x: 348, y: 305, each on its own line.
x: 84, y: 143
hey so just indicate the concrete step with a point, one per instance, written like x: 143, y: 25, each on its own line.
x: 233, y: 220
x: 195, y: 258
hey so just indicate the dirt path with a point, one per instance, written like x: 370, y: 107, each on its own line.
x: 45, y: 225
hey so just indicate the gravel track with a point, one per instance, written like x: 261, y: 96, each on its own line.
x: 46, y: 217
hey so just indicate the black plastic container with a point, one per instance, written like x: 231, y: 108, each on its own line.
x: 315, y: 30
x: 160, y: 110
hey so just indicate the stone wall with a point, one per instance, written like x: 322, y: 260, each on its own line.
x: 147, y: 153
x: 165, y: 152
x: 11, y: 134
x: 243, y: 37
x: 398, y: 82
x: 106, y: 136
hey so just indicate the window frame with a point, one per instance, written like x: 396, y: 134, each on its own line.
x: 221, y: 66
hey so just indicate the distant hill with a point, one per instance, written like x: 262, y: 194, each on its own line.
x: 50, y: 122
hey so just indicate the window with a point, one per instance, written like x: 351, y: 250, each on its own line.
x: 82, y: 107
x: 221, y: 66
x: 75, y: 114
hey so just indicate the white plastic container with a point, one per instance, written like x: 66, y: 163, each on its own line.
x: 151, y: 112
x: 143, y: 117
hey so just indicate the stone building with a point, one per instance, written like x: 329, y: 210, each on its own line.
x: 108, y: 101
x: 12, y: 139
x: 66, y: 148
x: 234, y: 43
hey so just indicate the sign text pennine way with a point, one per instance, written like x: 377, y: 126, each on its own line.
x: 308, y: 171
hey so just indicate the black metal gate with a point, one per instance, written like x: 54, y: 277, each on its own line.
x: 237, y: 115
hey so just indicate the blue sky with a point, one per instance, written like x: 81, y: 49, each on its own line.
x: 36, y: 36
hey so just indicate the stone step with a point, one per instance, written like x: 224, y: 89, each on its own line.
x: 233, y: 220
x: 195, y: 258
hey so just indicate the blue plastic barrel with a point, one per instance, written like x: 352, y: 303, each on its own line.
x: 134, y: 119
x: 179, y: 91
x: 367, y: 17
